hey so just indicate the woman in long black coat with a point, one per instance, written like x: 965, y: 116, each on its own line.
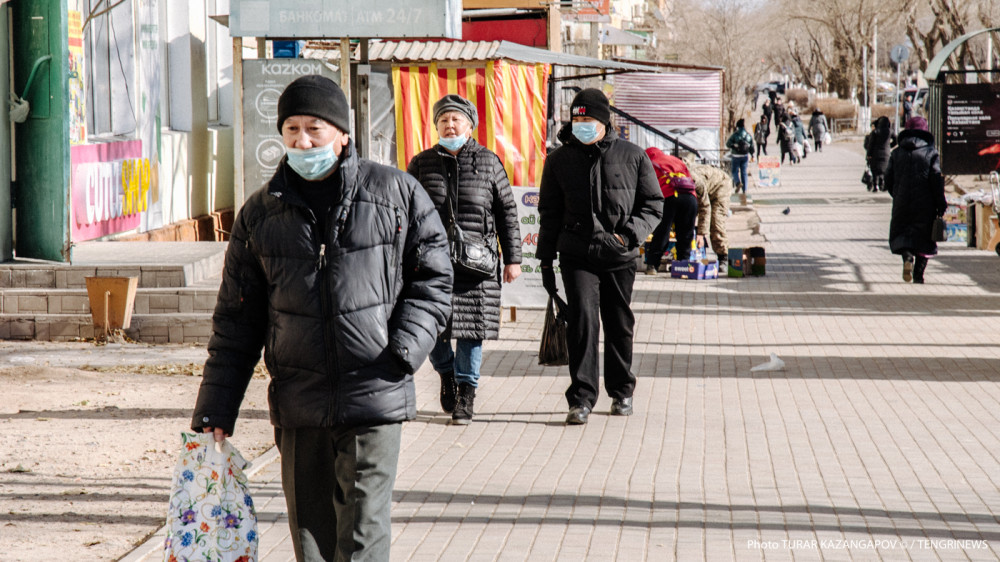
x: 913, y: 178
x: 482, y: 204
x: 878, y: 145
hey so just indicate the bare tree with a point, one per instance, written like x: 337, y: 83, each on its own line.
x: 723, y: 33
x: 830, y: 37
x: 932, y: 25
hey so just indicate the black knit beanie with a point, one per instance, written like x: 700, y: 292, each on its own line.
x: 591, y: 103
x: 317, y: 96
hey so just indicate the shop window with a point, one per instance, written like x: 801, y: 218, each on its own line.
x: 109, y: 44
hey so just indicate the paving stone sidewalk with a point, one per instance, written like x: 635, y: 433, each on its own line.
x: 878, y: 441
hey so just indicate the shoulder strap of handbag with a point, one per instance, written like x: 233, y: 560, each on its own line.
x: 451, y: 203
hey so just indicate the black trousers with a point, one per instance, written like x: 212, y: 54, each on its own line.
x: 338, y: 488
x: 680, y: 212
x: 594, y: 297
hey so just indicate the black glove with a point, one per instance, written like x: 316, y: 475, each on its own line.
x: 549, y: 278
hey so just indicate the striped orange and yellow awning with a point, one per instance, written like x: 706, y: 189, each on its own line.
x: 512, y: 104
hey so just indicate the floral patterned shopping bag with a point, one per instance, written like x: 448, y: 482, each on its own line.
x: 211, y: 516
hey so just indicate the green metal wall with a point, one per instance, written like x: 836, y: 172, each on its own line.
x: 41, y: 189
x: 6, y: 223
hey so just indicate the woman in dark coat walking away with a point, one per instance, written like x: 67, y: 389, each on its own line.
x: 482, y: 204
x: 913, y: 179
x: 786, y: 138
x: 879, y: 144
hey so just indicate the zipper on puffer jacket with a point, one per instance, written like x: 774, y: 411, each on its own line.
x: 329, y: 339
x: 395, y: 238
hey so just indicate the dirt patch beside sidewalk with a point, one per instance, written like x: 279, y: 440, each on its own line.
x: 88, y: 440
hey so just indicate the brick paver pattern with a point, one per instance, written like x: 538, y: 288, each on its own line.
x: 878, y: 441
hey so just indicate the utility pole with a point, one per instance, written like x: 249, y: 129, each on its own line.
x: 875, y: 64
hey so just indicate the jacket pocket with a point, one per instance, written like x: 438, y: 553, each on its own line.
x: 363, y: 337
x: 605, y: 247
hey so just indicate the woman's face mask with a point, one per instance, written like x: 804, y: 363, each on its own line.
x: 312, y: 163
x: 454, y: 143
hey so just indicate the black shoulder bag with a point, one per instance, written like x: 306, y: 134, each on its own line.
x: 470, y: 254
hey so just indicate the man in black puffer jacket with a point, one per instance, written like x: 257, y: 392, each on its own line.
x: 339, y: 270
x: 599, y: 200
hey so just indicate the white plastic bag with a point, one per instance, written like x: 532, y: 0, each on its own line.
x: 827, y: 139
x: 211, y: 515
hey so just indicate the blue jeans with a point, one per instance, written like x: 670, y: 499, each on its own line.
x: 464, y: 361
x: 739, y: 165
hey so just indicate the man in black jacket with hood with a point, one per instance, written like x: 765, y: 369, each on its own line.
x: 599, y: 201
x: 339, y: 269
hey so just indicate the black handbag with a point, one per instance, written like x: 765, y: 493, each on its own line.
x: 866, y: 178
x: 938, y: 231
x: 553, y: 350
x: 470, y: 255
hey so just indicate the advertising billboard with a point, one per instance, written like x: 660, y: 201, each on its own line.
x: 970, y: 142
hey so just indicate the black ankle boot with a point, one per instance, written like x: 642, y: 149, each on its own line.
x: 919, y: 265
x: 448, y: 391
x: 464, y: 406
x: 907, y: 266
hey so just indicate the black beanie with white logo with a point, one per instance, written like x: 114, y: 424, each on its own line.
x: 591, y: 103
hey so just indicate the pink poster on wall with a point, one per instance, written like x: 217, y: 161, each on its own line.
x: 109, y: 188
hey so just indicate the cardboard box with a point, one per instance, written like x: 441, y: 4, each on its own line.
x: 736, y: 263
x: 758, y: 262
x: 694, y: 269
x: 745, y: 262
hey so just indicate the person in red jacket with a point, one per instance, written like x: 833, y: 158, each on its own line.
x: 680, y: 208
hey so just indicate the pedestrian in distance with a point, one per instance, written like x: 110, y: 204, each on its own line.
x: 786, y: 140
x: 913, y: 179
x: 779, y: 110
x: 878, y: 145
x: 907, y: 108
x: 761, y: 130
x: 470, y: 189
x: 680, y: 209
x: 800, y: 147
x: 339, y: 270
x: 740, y: 145
x: 599, y: 200
x: 818, y: 128
x: 765, y: 112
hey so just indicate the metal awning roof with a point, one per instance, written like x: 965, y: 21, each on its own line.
x: 611, y: 35
x: 436, y: 51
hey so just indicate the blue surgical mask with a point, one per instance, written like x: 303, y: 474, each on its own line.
x: 312, y: 163
x: 453, y: 143
x: 585, y: 132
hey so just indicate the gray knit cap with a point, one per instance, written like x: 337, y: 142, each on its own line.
x: 453, y: 102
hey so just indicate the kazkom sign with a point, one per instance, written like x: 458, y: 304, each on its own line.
x: 319, y: 19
